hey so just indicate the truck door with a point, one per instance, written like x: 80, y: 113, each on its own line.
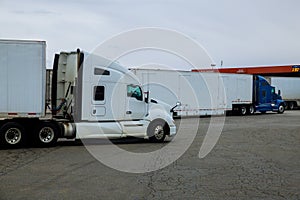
x: 98, y: 101
x: 265, y: 95
x: 136, y: 107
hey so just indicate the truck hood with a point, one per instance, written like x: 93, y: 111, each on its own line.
x: 166, y: 106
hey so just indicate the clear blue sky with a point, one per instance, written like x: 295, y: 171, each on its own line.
x: 239, y: 32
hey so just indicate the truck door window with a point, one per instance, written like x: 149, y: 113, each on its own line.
x: 99, y: 93
x: 134, y: 91
x: 99, y: 71
x: 264, y: 83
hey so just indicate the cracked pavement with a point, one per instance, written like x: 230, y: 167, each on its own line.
x: 256, y: 157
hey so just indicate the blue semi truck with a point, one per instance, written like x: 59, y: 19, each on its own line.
x: 264, y: 98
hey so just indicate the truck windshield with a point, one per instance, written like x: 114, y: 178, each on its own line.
x: 135, y: 91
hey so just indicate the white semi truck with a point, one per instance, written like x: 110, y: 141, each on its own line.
x: 206, y: 93
x: 91, y: 97
x: 290, y: 90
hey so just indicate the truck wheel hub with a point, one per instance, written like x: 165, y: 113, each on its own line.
x: 46, y: 135
x: 159, y: 132
x: 13, y: 136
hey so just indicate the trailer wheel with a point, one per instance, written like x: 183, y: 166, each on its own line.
x: 243, y: 110
x: 280, y: 109
x: 157, y: 131
x: 12, y: 134
x: 46, y: 134
x: 251, y: 110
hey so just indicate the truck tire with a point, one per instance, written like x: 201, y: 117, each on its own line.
x: 157, y: 131
x: 12, y: 134
x: 243, y: 110
x: 281, y: 109
x: 251, y: 110
x: 291, y: 105
x: 46, y: 134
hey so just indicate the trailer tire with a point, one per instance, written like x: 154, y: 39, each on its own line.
x: 12, y: 134
x: 281, y: 109
x: 157, y: 131
x: 46, y: 134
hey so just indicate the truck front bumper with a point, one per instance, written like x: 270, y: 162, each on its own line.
x: 172, y: 130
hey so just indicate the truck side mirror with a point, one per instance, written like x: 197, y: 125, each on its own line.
x: 178, y: 103
x: 279, y: 92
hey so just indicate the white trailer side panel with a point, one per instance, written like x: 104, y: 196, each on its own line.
x: 22, y: 78
x: 289, y: 87
x: 238, y: 89
x: 199, y: 93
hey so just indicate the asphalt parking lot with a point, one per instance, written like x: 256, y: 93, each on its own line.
x: 256, y: 157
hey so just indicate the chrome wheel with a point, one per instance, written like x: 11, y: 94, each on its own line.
x: 281, y: 109
x: 13, y: 136
x: 159, y: 132
x: 251, y: 110
x: 46, y: 135
x: 291, y: 105
x: 243, y: 110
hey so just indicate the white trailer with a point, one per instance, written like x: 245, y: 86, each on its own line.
x: 199, y: 93
x: 289, y: 87
x: 20, y: 94
x: 238, y: 93
x: 91, y: 97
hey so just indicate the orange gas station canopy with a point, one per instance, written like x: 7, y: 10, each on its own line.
x: 286, y: 70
